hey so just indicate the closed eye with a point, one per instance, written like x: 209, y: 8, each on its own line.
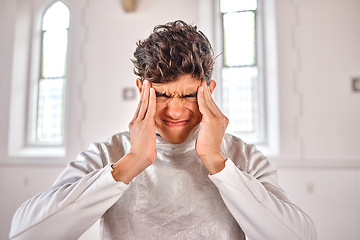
x: 191, y: 95
x: 159, y: 94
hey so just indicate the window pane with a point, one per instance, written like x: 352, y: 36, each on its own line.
x: 240, y: 99
x: 54, y: 53
x: 239, y: 39
x: 56, y: 17
x: 50, y: 110
x: 237, y: 5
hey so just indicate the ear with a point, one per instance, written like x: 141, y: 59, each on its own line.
x: 212, y: 86
x: 139, y: 84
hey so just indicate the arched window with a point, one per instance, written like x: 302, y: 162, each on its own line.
x: 48, y: 125
x: 38, y: 81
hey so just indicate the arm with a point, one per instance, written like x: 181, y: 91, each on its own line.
x: 80, y: 196
x: 86, y: 189
x: 142, y: 130
x: 258, y: 203
x: 254, y: 198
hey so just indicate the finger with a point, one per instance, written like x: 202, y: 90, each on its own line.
x: 139, y: 104
x: 214, y: 109
x: 209, y: 107
x: 152, y: 104
x: 144, y: 101
x: 203, y: 108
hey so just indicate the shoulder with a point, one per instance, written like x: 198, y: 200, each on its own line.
x: 245, y: 156
x: 117, y: 138
x: 114, y: 147
x: 235, y: 149
x: 229, y: 138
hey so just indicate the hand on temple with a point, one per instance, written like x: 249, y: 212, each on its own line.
x: 142, y: 138
x: 212, y: 130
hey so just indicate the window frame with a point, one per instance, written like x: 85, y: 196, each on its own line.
x: 266, y: 56
x: 37, y: 75
x: 25, y: 73
x: 259, y: 136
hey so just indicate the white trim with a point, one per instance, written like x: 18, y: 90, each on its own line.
x: 40, y: 151
x: 281, y: 163
x: 19, y: 80
x: 271, y: 96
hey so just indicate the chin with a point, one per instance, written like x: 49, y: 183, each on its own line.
x: 176, y: 135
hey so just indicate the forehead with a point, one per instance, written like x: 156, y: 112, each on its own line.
x: 184, y: 83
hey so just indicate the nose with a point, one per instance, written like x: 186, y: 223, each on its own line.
x: 175, y: 109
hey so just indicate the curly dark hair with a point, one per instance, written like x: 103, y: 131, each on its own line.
x: 174, y: 49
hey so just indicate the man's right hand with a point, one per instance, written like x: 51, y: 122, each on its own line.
x: 142, y: 138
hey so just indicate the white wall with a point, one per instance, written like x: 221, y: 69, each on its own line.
x: 318, y: 53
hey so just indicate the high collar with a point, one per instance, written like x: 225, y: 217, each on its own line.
x: 181, y: 148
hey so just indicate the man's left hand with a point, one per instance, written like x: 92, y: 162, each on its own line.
x: 212, y: 129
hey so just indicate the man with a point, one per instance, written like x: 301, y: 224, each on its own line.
x: 176, y: 174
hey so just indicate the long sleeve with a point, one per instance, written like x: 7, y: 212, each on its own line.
x: 258, y: 203
x: 79, y: 197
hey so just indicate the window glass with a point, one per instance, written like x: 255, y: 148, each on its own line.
x: 54, y: 53
x: 239, y: 38
x: 57, y: 16
x: 50, y: 110
x: 240, y: 99
x: 51, y: 85
x: 237, y: 5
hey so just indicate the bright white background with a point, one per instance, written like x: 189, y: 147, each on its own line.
x: 318, y: 46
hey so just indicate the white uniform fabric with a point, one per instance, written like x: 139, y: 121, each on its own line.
x: 174, y: 198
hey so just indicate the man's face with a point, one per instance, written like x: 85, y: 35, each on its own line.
x: 177, y: 111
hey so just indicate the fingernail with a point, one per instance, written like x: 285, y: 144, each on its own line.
x: 201, y: 89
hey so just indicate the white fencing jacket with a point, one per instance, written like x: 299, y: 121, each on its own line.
x: 175, y: 198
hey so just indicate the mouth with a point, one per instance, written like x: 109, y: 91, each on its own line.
x: 176, y: 123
